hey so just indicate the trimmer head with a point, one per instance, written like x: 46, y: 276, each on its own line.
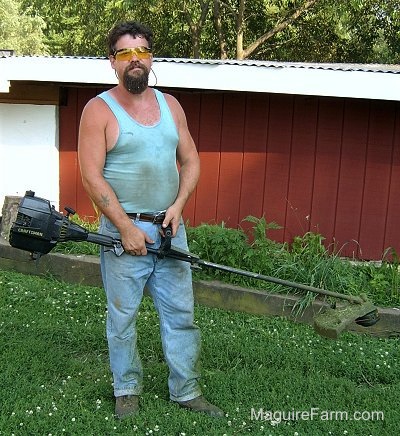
x: 331, y: 322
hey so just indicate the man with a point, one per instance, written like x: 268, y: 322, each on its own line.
x: 130, y: 140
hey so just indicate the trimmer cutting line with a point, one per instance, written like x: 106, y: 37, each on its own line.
x: 39, y: 227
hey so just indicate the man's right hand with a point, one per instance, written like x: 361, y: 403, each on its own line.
x: 134, y: 240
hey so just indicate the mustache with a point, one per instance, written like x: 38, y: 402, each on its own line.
x: 134, y: 65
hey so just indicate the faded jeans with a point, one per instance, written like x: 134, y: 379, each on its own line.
x: 169, y: 282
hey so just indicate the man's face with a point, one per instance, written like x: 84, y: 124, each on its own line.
x: 132, y: 66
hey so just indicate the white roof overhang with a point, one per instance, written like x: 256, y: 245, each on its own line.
x: 380, y: 82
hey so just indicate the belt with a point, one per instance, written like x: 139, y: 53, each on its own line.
x: 155, y: 218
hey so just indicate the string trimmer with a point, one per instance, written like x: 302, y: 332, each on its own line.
x: 39, y: 227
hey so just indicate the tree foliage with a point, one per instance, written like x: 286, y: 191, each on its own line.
x: 19, y: 30
x: 287, y: 30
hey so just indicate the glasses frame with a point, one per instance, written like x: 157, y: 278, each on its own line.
x: 128, y: 52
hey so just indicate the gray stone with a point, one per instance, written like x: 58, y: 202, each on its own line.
x: 9, y: 214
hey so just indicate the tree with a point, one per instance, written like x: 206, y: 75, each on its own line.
x: 76, y: 27
x: 288, y: 13
x: 346, y: 31
x: 285, y: 30
x: 19, y: 31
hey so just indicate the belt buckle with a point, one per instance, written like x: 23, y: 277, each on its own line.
x: 157, y: 215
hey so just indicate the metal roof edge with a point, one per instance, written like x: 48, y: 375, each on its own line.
x: 378, y: 68
x: 371, y: 81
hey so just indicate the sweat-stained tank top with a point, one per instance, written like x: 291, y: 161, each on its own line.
x: 141, y: 168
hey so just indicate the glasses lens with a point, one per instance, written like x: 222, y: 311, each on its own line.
x: 126, y: 54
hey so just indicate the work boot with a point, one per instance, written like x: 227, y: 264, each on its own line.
x: 127, y: 405
x: 200, y: 404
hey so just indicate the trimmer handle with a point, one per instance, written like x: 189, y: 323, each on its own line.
x: 116, y: 244
x: 165, y: 242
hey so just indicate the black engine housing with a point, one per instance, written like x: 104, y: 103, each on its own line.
x: 39, y: 227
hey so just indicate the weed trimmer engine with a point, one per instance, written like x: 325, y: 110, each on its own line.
x: 39, y: 227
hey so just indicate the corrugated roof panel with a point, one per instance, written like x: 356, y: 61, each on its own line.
x: 370, y: 81
x: 379, y: 68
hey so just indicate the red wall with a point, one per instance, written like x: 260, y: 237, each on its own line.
x: 326, y: 165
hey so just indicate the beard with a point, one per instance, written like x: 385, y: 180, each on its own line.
x: 138, y: 82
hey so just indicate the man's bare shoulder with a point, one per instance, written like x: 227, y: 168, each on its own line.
x: 170, y: 99
x: 96, y: 104
x: 174, y: 105
x: 96, y: 111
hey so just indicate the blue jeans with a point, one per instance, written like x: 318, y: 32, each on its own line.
x: 170, y: 284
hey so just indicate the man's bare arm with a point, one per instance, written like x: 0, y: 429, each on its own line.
x: 189, y: 162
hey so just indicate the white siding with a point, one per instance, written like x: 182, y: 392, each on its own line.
x: 29, y: 151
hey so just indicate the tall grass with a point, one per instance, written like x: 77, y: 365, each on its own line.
x: 306, y: 261
x: 55, y: 377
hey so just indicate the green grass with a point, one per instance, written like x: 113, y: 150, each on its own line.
x: 55, y: 377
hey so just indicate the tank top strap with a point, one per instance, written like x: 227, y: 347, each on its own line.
x: 116, y: 108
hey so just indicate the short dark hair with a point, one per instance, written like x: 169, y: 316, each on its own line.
x: 132, y: 28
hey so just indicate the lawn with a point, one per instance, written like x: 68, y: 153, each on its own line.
x: 271, y: 376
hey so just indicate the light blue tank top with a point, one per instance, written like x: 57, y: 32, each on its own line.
x: 142, y: 168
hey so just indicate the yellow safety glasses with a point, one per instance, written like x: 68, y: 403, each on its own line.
x: 126, y: 54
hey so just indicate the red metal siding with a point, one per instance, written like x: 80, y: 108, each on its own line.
x: 302, y: 163
x: 352, y: 177
x: 254, y: 157
x: 392, y: 233
x: 327, y: 165
x: 279, y: 147
x: 377, y: 178
x: 209, y: 147
x: 230, y: 169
